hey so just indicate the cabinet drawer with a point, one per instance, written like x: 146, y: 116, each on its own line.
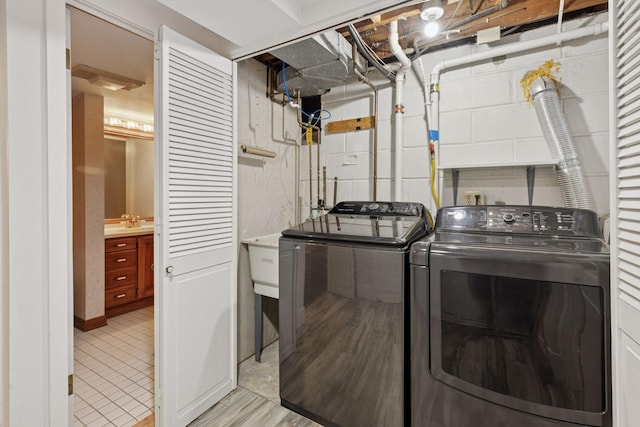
x: 123, y: 277
x: 119, y: 244
x: 118, y: 296
x: 120, y: 259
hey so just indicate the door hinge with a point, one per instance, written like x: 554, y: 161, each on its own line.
x: 156, y: 54
x: 158, y: 398
x: 70, y: 390
x: 68, y: 59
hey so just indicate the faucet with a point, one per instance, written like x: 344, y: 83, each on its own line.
x: 131, y: 220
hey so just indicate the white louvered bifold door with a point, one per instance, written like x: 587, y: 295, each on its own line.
x: 625, y: 243
x: 196, y: 298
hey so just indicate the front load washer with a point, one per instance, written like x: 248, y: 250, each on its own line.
x: 343, y: 324
x: 510, y: 319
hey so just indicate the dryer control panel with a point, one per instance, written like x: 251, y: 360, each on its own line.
x: 519, y: 219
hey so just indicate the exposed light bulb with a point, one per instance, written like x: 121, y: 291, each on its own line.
x: 432, y: 9
x: 431, y: 29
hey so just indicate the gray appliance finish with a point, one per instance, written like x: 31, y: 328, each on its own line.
x: 343, y: 339
x: 510, y: 319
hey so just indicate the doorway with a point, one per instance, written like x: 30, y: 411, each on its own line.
x: 113, y: 345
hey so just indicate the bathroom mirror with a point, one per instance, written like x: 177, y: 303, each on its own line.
x: 128, y: 183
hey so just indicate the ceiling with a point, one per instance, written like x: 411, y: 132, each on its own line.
x: 463, y: 19
x: 102, y: 45
x: 259, y: 25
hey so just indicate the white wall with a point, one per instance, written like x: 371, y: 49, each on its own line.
x: 266, y: 188
x: 38, y: 239
x: 484, y: 120
x: 4, y: 224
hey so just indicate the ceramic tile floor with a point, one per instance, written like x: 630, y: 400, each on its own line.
x: 113, y: 371
x: 113, y: 384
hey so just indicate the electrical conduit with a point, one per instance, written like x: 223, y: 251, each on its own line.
x: 405, y: 65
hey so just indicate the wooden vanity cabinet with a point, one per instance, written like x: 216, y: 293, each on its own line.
x: 145, y: 266
x: 128, y: 277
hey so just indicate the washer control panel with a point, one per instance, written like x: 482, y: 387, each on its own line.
x: 519, y: 219
x: 379, y: 209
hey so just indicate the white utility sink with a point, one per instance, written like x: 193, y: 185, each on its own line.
x: 263, y: 263
x: 264, y: 258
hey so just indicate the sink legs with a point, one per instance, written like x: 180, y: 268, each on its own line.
x: 258, y: 326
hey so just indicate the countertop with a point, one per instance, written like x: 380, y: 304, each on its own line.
x: 119, y: 230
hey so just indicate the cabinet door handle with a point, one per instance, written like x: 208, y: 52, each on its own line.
x: 121, y: 260
x: 121, y: 245
x: 121, y: 277
x: 119, y: 296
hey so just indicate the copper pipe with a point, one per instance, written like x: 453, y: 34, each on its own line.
x: 335, y: 199
x: 324, y: 186
x: 375, y: 144
x: 318, y: 170
x: 310, y: 183
x: 271, y: 93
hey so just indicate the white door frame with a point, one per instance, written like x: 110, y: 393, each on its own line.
x: 128, y: 25
x: 36, y: 214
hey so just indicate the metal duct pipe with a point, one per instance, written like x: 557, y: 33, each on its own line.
x: 561, y: 144
x: 354, y: 36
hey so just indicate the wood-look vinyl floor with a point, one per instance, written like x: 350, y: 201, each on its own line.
x: 243, y: 408
x: 256, y: 401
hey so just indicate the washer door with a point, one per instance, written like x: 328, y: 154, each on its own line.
x: 526, y: 330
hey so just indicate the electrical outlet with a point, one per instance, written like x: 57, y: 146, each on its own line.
x: 471, y: 198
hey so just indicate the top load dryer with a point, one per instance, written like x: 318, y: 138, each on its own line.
x: 343, y: 288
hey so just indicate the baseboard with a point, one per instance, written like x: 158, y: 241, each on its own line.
x: 132, y: 306
x: 89, y: 324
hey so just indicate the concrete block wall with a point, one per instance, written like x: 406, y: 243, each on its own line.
x: 486, y: 127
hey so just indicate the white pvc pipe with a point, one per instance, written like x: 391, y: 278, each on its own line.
x: 560, y: 13
x: 396, y: 49
x: 399, y: 137
x: 592, y: 30
x: 405, y: 62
